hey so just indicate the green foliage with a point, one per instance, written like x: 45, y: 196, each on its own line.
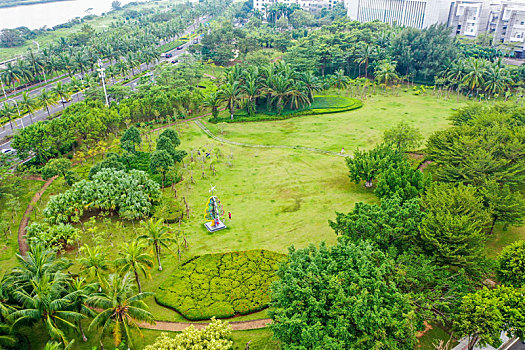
x: 511, y: 264
x: 131, y: 139
x: 221, y: 285
x: 58, y: 236
x: 392, y: 225
x: 453, y: 229
x: 343, y: 297
x: 485, y: 313
x: 321, y: 105
x: 131, y: 195
x: 401, y: 180
x: 112, y: 161
x: 160, y: 162
x: 403, y: 137
x: 486, y: 148
x: 54, y: 167
x: 172, y: 135
x: 504, y: 205
x: 217, y: 335
x: 368, y: 165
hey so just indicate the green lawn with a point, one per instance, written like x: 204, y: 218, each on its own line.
x: 361, y: 128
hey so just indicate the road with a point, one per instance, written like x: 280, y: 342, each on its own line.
x: 42, y: 113
x: 518, y: 345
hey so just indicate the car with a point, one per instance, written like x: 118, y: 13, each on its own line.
x: 179, y: 48
x: 174, y: 61
x: 8, y: 151
x: 64, y: 101
x: 196, y: 41
x: 168, y: 55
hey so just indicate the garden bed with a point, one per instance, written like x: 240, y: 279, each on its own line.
x: 221, y: 285
x: 321, y: 105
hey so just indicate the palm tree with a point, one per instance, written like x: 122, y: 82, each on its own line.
x: 37, y: 264
x: 497, y: 80
x: 10, y: 75
x: 214, y: 101
x: 81, y: 291
x: 46, y: 99
x: 157, y: 235
x: 94, y: 263
x: 386, y: 72
x: 27, y: 104
x: 121, y: 309
x: 50, y: 303
x: 230, y: 93
x: 62, y: 92
x: 133, y: 258
x: 8, y: 111
x: 251, y: 91
x: 474, y: 79
x: 311, y: 83
x: 363, y: 57
x: 340, y: 80
x: 75, y: 86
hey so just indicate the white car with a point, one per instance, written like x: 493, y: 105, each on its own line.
x: 7, y: 151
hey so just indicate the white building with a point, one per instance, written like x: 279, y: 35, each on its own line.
x: 473, y: 17
x: 410, y: 13
x: 510, y: 26
x: 308, y: 5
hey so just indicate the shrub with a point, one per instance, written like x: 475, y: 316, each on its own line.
x: 221, y: 285
x: 321, y: 105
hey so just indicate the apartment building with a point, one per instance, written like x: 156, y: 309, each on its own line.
x: 510, y: 26
x: 410, y: 13
x: 473, y: 17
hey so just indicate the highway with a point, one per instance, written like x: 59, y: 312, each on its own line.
x: 42, y: 113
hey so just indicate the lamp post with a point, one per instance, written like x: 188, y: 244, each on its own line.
x: 37, y: 50
x: 103, y: 76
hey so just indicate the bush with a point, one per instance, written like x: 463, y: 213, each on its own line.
x: 221, y: 285
x: 321, y: 105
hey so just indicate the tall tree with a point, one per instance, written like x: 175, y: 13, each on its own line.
x: 133, y: 258
x: 157, y: 235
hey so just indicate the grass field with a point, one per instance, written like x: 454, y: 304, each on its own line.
x: 361, y: 128
x: 277, y: 197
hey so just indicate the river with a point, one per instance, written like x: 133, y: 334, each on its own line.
x: 52, y: 13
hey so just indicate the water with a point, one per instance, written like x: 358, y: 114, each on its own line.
x: 53, y: 13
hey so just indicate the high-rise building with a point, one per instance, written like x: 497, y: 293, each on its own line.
x: 510, y: 26
x: 308, y: 5
x: 410, y: 13
x: 473, y: 17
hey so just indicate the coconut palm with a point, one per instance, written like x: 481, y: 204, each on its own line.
x: 80, y: 291
x: 27, y: 104
x: 62, y: 92
x: 340, y: 80
x: 8, y: 111
x: 94, y: 263
x: 311, y: 83
x: 134, y: 259
x: 230, y: 93
x: 251, y: 92
x: 157, y: 235
x: 214, y: 101
x: 46, y: 99
x: 364, y: 54
x: 48, y: 302
x: 497, y: 80
x: 121, y: 309
x: 475, y: 76
x: 386, y: 72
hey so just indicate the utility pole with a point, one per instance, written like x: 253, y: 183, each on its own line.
x: 103, y: 76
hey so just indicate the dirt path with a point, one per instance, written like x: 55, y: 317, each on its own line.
x: 180, y: 326
x: 310, y: 149
x: 22, y: 242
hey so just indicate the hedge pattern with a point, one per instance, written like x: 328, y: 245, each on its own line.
x: 321, y: 105
x: 221, y: 285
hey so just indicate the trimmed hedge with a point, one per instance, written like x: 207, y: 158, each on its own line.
x: 321, y: 105
x: 221, y: 285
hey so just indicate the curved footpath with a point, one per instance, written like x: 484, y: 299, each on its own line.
x: 220, y: 139
x: 165, y: 325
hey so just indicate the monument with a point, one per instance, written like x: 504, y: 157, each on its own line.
x: 213, y: 213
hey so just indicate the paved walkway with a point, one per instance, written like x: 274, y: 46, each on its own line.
x: 222, y: 140
x: 180, y: 326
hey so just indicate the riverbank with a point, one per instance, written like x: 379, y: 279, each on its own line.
x: 45, y: 38
x: 14, y: 3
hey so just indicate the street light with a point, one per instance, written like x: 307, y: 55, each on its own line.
x: 37, y: 50
x: 103, y: 76
x: 19, y: 116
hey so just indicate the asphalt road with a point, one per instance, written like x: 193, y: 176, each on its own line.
x: 42, y: 113
x: 518, y: 345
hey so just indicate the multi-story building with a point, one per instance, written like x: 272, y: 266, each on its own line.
x: 308, y: 5
x: 510, y: 26
x: 410, y: 13
x: 473, y: 17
